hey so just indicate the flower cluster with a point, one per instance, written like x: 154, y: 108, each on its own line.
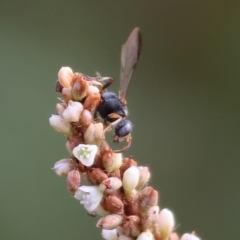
x: 117, y: 190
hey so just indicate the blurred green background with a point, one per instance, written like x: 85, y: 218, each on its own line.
x: 183, y: 100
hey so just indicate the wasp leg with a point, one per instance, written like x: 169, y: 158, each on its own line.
x: 107, y: 83
x: 102, y: 82
x: 128, y: 144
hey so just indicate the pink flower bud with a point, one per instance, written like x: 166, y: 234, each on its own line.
x: 113, y: 204
x: 64, y: 166
x: 127, y: 163
x: 132, y: 204
x: 111, y: 161
x: 150, y: 218
x: 73, y: 180
x: 66, y: 94
x: 130, y: 179
x: 86, y: 117
x: 60, y: 125
x: 96, y: 176
x: 131, y: 226
x: 94, y: 133
x: 65, y: 75
x: 110, y: 184
x: 73, y: 111
x: 110, y: 222
x: 148, y: 198
x: 165, y: 223
x: 143, y: 178
x: 60, y: 107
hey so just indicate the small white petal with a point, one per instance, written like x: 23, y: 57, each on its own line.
x: 89, y: 196
x: 85, y: 153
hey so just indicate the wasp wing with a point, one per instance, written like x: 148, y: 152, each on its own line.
x: 129, y: 56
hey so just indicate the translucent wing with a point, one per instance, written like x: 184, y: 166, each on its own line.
x: 129, y: 56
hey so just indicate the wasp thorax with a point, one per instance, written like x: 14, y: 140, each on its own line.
x: 111, y: 103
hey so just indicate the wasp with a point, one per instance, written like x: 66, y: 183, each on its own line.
x: 113, y: 108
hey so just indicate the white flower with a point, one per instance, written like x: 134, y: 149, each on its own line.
x: 109, y: 234
x: 85, y: 153
x: 89, y: 196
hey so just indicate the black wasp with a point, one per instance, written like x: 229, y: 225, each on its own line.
x: 112, y: 108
